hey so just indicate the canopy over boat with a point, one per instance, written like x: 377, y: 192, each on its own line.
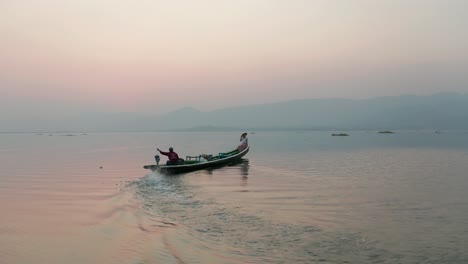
x: 193, y: 163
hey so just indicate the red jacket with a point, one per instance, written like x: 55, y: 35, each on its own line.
x: 173, y: 157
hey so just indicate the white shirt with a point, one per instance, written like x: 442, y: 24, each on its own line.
x: 245, y: 141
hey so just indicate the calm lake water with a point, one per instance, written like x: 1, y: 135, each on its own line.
x: 297, y: 197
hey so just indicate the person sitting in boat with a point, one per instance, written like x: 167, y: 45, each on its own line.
x: 244, y: 142
x: 172, y: 156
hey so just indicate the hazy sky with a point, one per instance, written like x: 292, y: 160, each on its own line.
x: 64, y: 57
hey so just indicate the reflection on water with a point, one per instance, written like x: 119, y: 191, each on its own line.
x: 244, y: 167
x: 244, y: 171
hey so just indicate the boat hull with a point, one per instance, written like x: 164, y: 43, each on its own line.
x: 176, y: 169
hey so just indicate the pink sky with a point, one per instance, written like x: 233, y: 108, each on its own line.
x: 154, y: 56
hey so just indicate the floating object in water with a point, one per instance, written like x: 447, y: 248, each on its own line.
x: 386, y: 132
x: 340, y: 135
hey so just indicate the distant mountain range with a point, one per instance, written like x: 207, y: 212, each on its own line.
x: 443, y: 111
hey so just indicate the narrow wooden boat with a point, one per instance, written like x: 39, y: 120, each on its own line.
x: 198, y: 162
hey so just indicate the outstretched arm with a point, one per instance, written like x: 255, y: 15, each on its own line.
x: 162, y: 152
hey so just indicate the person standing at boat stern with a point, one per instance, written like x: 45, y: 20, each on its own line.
x: 172, y: 156
x: 244, y: 142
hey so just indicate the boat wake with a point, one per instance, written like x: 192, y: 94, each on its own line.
x: 220, y: 232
